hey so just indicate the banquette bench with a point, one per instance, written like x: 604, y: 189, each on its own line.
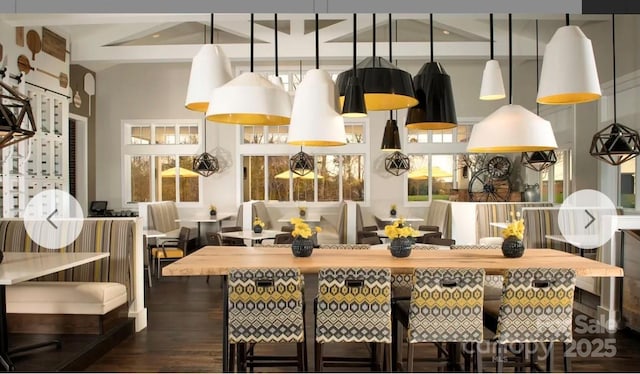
x: 87, y: 299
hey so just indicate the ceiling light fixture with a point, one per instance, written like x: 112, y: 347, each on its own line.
x: 314, y: 118
x: 397, y: 163
x: 492, y: 87
x: 385, y: 86
x: 391, y: 136
x: 616, y: 143
x: 538, y: 160
x: 511, y: 128
x: 569, y: 74
x: 210, y: 68
x: 276, y: 78
x: 354, y: 105
x: 11, y: 129
x: 301, y: 163
x: 250, y: 99
x: 436, y: 108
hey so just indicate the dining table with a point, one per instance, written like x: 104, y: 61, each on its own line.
x: 219, y: 260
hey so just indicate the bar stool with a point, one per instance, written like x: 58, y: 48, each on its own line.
x: 353, y: 306
x: 445, y: 307
x: 536, y: 307
x: 266, y: 306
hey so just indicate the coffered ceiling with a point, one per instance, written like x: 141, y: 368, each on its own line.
x: 102, y: 40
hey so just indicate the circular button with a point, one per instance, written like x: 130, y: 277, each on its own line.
x: 53, y: 219
x: 583, y: 219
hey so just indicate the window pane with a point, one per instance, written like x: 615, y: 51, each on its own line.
x: 544, y: 188
x: 353, y: 177
x: 417, y: 136
x: 328, y: 178
x: 278, y: 134
x: 165, y: 134
x: 253, y: 135
x: 140, y: 135
x: 354, y: 132
x: 442, y: 168
x: 463, y: 132
x: 418, y: 186
x: 166, y: 178
x: 253, y: 170
x: 628, y: 184
x: 140, y: 178
x: 303, y: 188
x: 188, y: 179
x: 442, y: 136
x: 558, y: 183
x: 189, y: 134
x: 279, y: 175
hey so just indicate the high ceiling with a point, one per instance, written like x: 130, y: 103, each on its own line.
x: 102, y: 40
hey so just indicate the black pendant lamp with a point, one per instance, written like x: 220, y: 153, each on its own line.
x: 616, y: 143
x: 436, y: 109
x: 385, y: 86
x: 538, y: 160
x: 397, y: 163
x: 391, y: 136
x: 11, y: 130
x: 354, y: 104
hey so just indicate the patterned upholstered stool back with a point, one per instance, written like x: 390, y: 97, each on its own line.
x: 406, y: 280
x: 354, y: 305
x: 537, y: 306
x: 265, y: 305
x: 446, y: 305
x: 345, y: 246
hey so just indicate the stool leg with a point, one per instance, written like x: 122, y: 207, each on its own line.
x: 318, y: 354
x: 533, y: 356
x: 242, y: 357
x: 500, y: 358
x: 549, y: 367
x: 410, y: 351
x: 373, y: 347
x: 387, y: 358
x: 300, y: 356
x: 478, y: 356
x: 566, y: 359
x: 231, y: 358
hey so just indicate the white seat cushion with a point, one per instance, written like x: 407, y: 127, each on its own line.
x: 95, y: 298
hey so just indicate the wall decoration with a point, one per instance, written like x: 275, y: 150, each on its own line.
x: 54, y: 44
x: 20, y: 36
x: 89, y: 88
x: 34, y: 43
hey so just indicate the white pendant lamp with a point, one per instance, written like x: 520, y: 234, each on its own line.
x: 569, y: 74
x: 492, y: 87
x: 250, y: 99
x: 511, y: 128
x: 315, y: 120
x: 210, y: 68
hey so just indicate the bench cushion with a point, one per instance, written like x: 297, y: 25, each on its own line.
x: 95, y: 298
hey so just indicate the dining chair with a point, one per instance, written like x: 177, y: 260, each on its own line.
x: 266, y: 306
x: 424, y: 238
x: 439, y: 241
x: 285, y: 238
x: 536, y: 307
x: 171, y: 249
x: 492, y: 283
x: 431, y: 316
x: 428, y: 228
x: 232, y: 241
x: 353, y: 306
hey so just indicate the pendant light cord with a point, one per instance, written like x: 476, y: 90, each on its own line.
x: 374, y: 39
x: 317, y: 44
x: 390, y: 36
x: 491, y: 34
x: 275, y: 38
x: 613, y: 46
x: 355, y: 30
x: 510, y: 61
x: 566, y: 19
x: 431, y: 36
x: 537, y: 69
x: 211, y: 32
x: 251, y: 54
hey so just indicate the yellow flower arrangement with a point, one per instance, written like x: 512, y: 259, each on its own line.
x: 258, y: 222
x: 302, y: 229
x: 398, y: 230
x: 515, y: 228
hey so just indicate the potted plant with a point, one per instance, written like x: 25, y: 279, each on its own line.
x: 401, y: 238
x: 258, y: 225
x: 393, y: 210
x: 212, y: 210
x: 513, y: 234
x: 302, y: 245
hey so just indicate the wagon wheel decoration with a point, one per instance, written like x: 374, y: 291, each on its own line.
x: 484, y: 187
x: 499, y: 167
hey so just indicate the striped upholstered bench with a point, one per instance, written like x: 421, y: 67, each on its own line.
x: 85, y: 299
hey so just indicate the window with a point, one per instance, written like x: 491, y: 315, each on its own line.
x: 628, y: 184
x: 555, y: 181
x: 158, y: 157
x: 431, y: 177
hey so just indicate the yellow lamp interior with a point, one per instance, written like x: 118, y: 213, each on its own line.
x: 198, y: 106
x: 249, y: 119
x: 317, y: 143
x: 508, y: 149
x: 569, y: 98
x: 492, y: 97
x: 386, y: 101
x: 431, y: 125
x: 354, y: 115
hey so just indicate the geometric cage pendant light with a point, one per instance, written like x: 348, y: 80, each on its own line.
x: 210, y: 68
x: 250, y: 99
x: 569, y: 74
x: 538, y: 160
x: 616, y: 143
x: 11, y: 129
x: 436, y: 109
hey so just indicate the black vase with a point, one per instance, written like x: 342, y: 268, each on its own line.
x: 400, y: 247
x: 302, y: 212
x: 302, y: 247
x: 512, y: 247
x: 212, y: 213
x: 392, y: 212
x: 257, y: 229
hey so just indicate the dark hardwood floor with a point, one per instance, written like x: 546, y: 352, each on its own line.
x: 184, y: 336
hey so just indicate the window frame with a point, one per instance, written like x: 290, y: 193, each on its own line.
x: 130, y: 150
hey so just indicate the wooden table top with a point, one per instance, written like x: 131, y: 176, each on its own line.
x: 218, y: 260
